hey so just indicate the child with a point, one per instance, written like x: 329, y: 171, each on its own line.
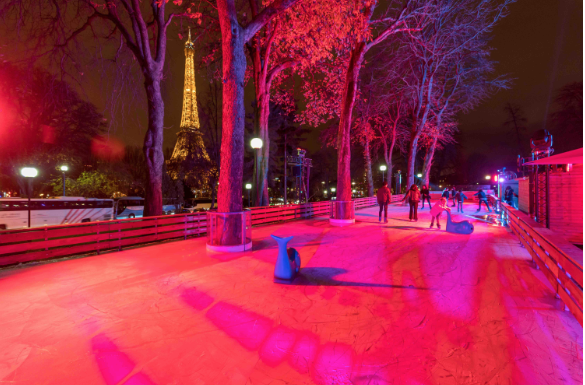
x: 460, y: 198
x: 437, y: 210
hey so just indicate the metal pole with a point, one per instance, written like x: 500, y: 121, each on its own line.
x: 307, y: 189
x: 63, y: 183
x: 254, y: 179
x: 285, y: 170
x: 248, y: 198
x: 547, y: 197
x: 29, y: 192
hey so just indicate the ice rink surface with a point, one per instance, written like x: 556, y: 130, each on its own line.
x: 394, y: 303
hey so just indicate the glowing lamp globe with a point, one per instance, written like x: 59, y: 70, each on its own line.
x: 382, y: 168
x: 256, y: 143
x: 419, y: 175
x: 487, y: 177
x: 29, y: 172
x: 248, y: 186
x: 64, y: 168
x: 332, y: 189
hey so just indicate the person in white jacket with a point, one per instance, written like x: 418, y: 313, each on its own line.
x: 437, y: 210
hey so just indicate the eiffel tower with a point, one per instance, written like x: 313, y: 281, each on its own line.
x: 190, y: 159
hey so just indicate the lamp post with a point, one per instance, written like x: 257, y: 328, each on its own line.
x: 248, y: 188
x: 383, y: 169
x: 256, y: 144
x: 64, y: 169
x: 29, y: 173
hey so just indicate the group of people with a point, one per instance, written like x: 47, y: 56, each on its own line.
x: 414, y: 196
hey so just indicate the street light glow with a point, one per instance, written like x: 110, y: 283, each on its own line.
x: 382, y: 168
x: 64, y: 168
x: 487, y: 177
x: 419, y: 175
x: 29, y: 172
x: 248, y: 186
x: 332, y: 189
x: 256, y: 143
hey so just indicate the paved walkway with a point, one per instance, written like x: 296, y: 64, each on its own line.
x: 377, y: 304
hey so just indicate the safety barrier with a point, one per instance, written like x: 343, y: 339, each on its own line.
x: 24, y: 245
x: 560, y: 261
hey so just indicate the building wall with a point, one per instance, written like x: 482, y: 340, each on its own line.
x: 524, y: 195
x: 566, y: 204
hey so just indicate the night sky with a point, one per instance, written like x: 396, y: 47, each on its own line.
x: 540, y: 45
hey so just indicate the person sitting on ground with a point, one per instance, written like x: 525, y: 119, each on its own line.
x: 413, y: 196
x: 453, y: 193
x: 383, y: 196
x: 437, y: 210
x: 460, y: 198
x: 482, y: 198
x: 425, y: 195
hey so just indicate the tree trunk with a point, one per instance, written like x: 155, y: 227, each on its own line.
x: 429, y: 162
x: 412, y: 149
x: 368, y: 161
x: 263, y: 98
x: 232, y: 141
x: 345, y: 120
x: 153, y: 144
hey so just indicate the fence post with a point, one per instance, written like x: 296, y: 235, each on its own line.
x: 97, y: 231
x: 119, y: 236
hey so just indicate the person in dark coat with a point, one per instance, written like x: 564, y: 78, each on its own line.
x: 413, y: 196
x: 482, y: 198
x: 460, y: 198
x: 453, y: 193
x: 383, y: 196
x: 425, y: 193
x: 445, y: 194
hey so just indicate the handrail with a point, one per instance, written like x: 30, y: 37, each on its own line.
x: 38, y: 243
x: 560, y: 261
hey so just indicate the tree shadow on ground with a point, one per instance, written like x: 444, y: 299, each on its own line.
x: 324, y: 276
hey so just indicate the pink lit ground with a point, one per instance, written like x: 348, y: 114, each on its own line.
x: 377, y: 304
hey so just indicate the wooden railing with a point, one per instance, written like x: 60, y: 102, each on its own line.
x: 560, y: 261
x: 24, y: 245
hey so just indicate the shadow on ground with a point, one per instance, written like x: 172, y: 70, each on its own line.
x: 324, y: 276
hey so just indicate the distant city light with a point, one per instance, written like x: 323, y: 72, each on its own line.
x: 332, y: 189
x: 322, y: 182
x: 383, y: 168
x: 353, y: 183
x: 496, y: 178
x: 64, y: 168
x: 29, y: 172
x: 419, y: 175
x: 353, y: 190
x: 256, y: 143
x: 248, y: 186
x: 487, y: 177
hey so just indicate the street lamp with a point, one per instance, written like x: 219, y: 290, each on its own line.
x: 332, y: 189
x: 383, y: 168
x: 256, y: 144
x: 419, y: 175
x: 488, y: 177
x: 30, y: 173
x: 248, y: 187
x: 64, y: 169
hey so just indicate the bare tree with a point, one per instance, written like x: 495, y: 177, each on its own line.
x: 139, y: 26
x: 516, y: 122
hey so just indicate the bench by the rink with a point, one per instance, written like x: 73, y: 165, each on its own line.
x: 38, y: 243
x: 560, y: 261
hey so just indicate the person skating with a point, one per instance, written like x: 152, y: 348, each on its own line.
x: 383, y: 196
x: 424, y: 191
x: 460, y: 198
x: 482, y: 198
x: 437, y: 210
x: 453, y: 193
x: 445, y: 193
x: 413, y: 196
x: 509, y: 196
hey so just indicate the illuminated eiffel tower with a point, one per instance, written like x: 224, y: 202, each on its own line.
x: 190, y: 159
